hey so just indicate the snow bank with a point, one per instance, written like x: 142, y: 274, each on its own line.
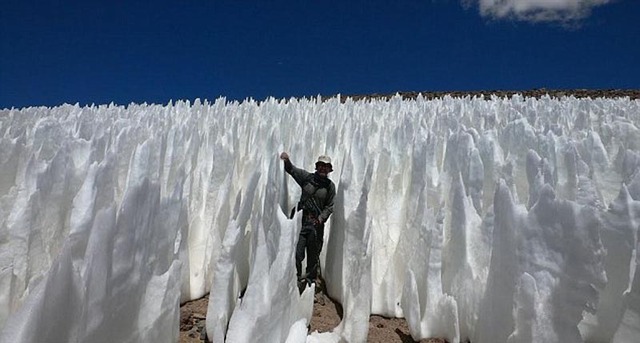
x: 508, y: 220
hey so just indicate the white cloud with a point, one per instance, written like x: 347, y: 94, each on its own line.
x: 537, y: 10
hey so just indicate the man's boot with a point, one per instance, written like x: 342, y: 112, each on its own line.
x: 302, y: 284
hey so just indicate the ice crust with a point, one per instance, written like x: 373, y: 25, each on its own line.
x: 501, y: 220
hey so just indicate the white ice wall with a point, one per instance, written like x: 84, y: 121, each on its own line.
x: 500, y: 220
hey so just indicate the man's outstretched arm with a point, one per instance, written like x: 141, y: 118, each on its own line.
x: 288, y: 166
x: 300, y: 175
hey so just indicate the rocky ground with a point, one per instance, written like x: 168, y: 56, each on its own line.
x: 326, y: 316
x: 535, y: 93
x: 326, y: 312
x: 192, y: 320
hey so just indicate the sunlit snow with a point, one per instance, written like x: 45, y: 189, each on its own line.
x: 502, y: 220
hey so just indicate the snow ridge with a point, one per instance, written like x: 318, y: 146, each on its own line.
x: 500, y: 220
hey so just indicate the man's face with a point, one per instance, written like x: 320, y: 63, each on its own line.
x: 323, y: 168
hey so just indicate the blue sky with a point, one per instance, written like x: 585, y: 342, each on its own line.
x: 103, y: 51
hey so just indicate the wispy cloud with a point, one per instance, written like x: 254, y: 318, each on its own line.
x: 537, y: 10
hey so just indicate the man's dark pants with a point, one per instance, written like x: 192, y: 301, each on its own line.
x: 311, y: 239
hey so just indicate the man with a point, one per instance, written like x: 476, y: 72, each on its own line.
x: 316, y: 203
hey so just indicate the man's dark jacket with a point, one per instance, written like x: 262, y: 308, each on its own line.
x: 317, y: 192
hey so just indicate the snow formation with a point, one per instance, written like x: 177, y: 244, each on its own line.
x: 502, y: 220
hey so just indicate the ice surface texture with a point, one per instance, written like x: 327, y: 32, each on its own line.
x: 507, y: 220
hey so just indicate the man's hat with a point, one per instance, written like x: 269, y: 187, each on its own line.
x: 324, y: 159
